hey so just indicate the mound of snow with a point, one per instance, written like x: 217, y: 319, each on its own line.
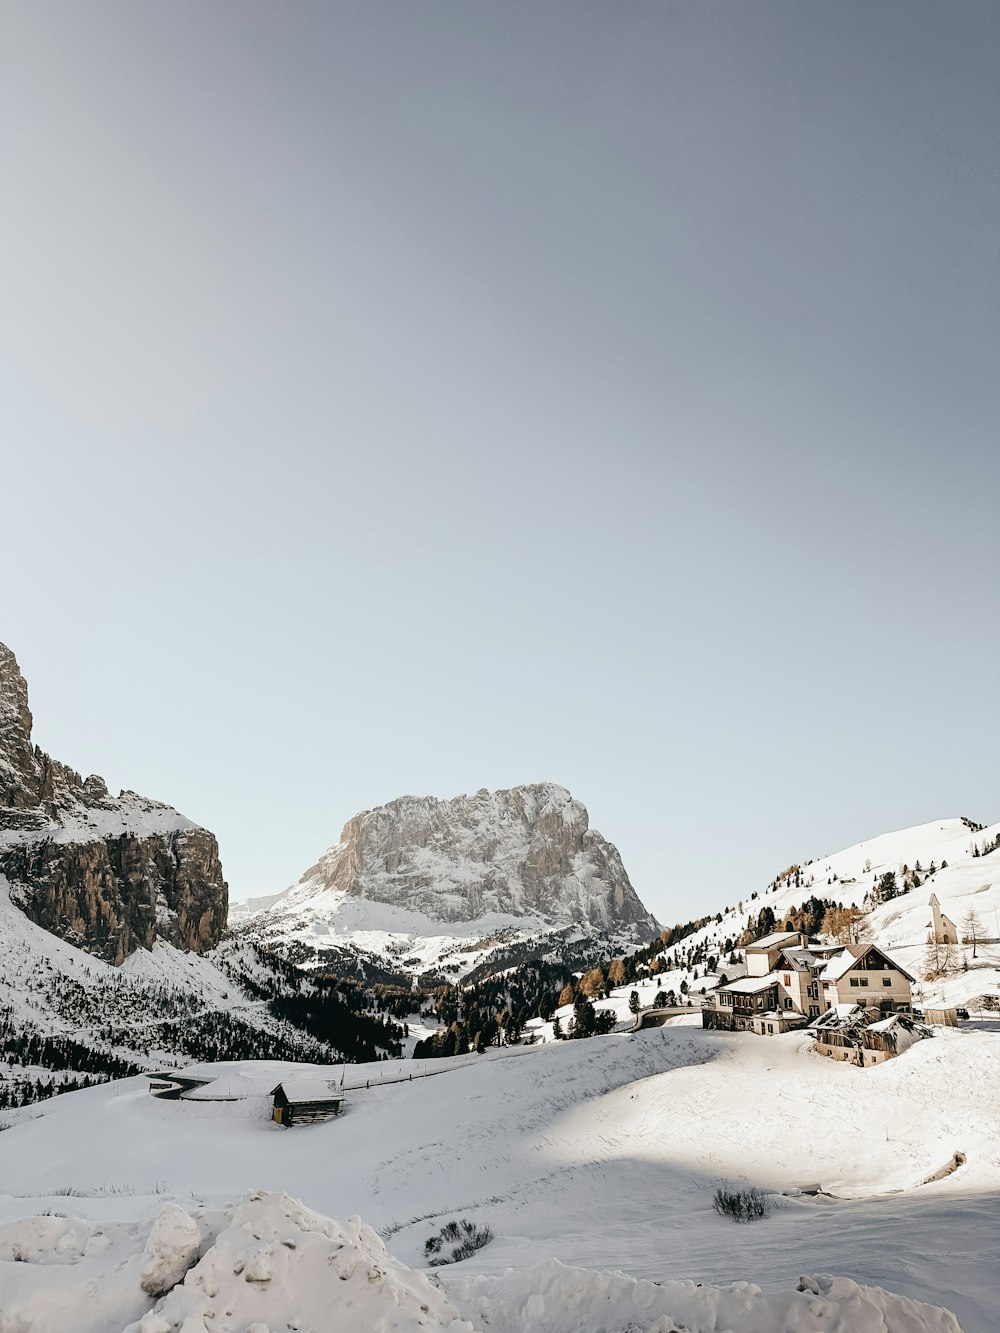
x: 551, y: 1298
x: 170, y: 1251
x: 278, y: 1265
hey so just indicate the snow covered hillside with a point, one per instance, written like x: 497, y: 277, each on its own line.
x: 436, y: 889
x: 943, y: 857
x: 592, y: 1156
x: 67, y: 1018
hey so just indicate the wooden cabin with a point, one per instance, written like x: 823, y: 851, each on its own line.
x: 306, y: 1101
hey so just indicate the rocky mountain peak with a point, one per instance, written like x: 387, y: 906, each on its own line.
x: 526, y: 852
x: 35, y: 788
x: 109, y: 874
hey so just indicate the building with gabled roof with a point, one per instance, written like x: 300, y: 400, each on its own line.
x: 761, y: 954
x: 865, y: 974
x: 803, y: 981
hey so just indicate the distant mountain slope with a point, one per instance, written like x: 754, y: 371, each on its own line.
x: 429, y: 885
x: 66, y: 1016
x: 109, y: 874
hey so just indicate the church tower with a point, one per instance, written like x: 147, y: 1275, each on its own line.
x: 942, y: 927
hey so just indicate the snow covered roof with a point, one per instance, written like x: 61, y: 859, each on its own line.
x: 796, y: 958
x: 750, y: 985
x: 838, y: 1015
x: 310, y: 1089
x: 772, y: 941
x: 884, y: 1024
x: 838, y: 965
x: 853, y: 953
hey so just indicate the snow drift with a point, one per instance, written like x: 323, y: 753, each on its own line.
x: 271, y: 1263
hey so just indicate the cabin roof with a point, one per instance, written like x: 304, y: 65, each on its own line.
x: 306, y: 1089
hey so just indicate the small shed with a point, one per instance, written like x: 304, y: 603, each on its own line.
x: 306, y: 1101
x: 941, y: 1015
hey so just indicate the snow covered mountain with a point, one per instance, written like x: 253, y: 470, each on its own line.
x: 108, y: 874
x: 424, y: 886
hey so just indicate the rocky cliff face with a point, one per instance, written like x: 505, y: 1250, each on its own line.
x: 526, y: 853
x: 110, y: 874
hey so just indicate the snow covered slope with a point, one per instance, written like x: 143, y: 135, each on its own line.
x: 430, y: 886
x: 592, y: 1155
x: 67, y: 1017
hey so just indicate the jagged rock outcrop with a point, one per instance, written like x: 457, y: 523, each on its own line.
x: 526, y: 852
x: 109, y: 874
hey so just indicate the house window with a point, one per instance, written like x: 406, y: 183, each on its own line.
x: 786, y: 981
x: 863, y: 981
x: 887, y: 981
x: 814, y: 1011
x: 854, y: 981
x: 788, y: 1003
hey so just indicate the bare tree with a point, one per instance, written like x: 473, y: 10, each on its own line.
x: 972, y: 929
x: 939, y: 959
x: 931, y: 965
x: 847, y: 925
x: 858, y: 926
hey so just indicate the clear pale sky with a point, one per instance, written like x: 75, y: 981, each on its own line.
x: 419, y: 397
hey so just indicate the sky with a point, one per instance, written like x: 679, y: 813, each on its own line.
x: 413, y: 398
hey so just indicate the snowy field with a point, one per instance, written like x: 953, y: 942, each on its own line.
x: 595, y: 1155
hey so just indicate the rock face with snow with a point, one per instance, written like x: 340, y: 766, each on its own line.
x: 110, y: 874
x: 440, y: 889
x: 528, y: 851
